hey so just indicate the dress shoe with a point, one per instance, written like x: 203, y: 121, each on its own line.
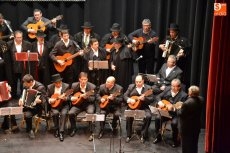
x: 15, y: 129
x: 31, y: 134
x: 56, y: 134
x: 175, y: 144
x: 73, y: 133
x: 91, y: 137
x: 158, y: 139
x: 127, y: 140
x: 61, y: 136
x: 100, y: 135
x: 142, y: 139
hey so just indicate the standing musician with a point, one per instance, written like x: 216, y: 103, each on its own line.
x: 166, y: 100
x: 108, y: 39
x: 38, y: 103
x: 56, y: 93
x: 6, y: 32
x: 121, y: 63
x: 144, y: 40
x: 110, y: 97
x: 18, y: 45
x: 42, y: 68
x: 145, y: 97
x: 82, y: 100
x: 95, y: 53
x: 35, y: 20
x: 66, y: 48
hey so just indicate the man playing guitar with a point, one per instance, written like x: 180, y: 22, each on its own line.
x: 58, y: 87
x: 82, y: 100
x: 110, y: 88
x: 139, y: 89
x: 65, y: 45
x: 36, y: 19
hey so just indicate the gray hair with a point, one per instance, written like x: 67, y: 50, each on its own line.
x: 146, y: 22
x: 193, y: 91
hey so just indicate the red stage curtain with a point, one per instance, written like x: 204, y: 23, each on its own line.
x: 218, y: 106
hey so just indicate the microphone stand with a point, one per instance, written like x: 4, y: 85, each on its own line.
x: 28, y: 60
x: 120, y: 135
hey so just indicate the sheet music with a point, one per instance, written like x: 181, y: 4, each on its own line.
x: 11, y: 111
x: 94, y: 117
x: 98, y: 64
x: 138, y: 114
x: 161, y: 112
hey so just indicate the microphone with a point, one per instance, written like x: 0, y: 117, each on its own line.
x: 139, y: 58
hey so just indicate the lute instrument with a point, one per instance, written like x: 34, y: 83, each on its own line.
x: 138, y: 102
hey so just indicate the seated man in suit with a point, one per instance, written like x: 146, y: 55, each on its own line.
x: 82, y: 100
x: 39, y: 102
x: 57, y: 93
x: 166, y: 100
x: 110, y: 98
x: 166, y: 74
x: 145, y: 96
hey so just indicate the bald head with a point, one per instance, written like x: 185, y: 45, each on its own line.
x: 110, y: 81
x: 139, y: 81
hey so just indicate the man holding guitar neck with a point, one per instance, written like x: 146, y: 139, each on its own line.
x: 63, y: 55
x: 57, y: 98
x: 82, y: 100
x: 110, y: 97
x: 166, y: 100
x: 143, y: 43
x: 139, y: 89
x: 35, y: 23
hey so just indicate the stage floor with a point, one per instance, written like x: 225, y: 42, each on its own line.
x: 45, y: 142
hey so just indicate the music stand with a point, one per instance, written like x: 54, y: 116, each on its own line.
x: 93, y: 118
x: 161, y: 113
x: 11, y: 111
x: 94, y: 64
x: 137, y: 115
x: 26, y: 57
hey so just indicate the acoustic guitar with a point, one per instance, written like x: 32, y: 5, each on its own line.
x: 81, y: 99
x: 106, y: 102
x: 59, y: 98
x: 108, y: 48
x: 67, y: 58
x: 138, y: 102
x: 40, y: 25
x: 167, y: 104
x: 140, y: 43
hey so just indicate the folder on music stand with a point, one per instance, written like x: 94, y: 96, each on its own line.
x: 98, y: 64
x: 11, y: 111
x: 137, y: 114
x: 94, y: 117
x: 25, y: 56
x: 150, y: 77
x: 155, y: 110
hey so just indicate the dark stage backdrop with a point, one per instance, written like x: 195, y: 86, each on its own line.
x: 193, y: 16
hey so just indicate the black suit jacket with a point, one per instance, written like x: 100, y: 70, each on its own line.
x: 89, y: 86
x: 105, y: 91
x: 78, y: 37
x: 50, y: 91
x: 131, y: 91
x: 175, y: 73
x: 18, y: 67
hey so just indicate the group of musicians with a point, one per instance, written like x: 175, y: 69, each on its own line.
x: 63, y: 59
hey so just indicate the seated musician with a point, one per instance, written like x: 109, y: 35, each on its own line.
x: 35, y: 21
x: 166, y: 74
x: 32, y: 109
x: 57, y: 93
x: 82, y: 100
x: 110, y: 97
x: 165, y: 100
x: 145, y: 97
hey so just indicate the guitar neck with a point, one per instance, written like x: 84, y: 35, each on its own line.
x: 73, y: 56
